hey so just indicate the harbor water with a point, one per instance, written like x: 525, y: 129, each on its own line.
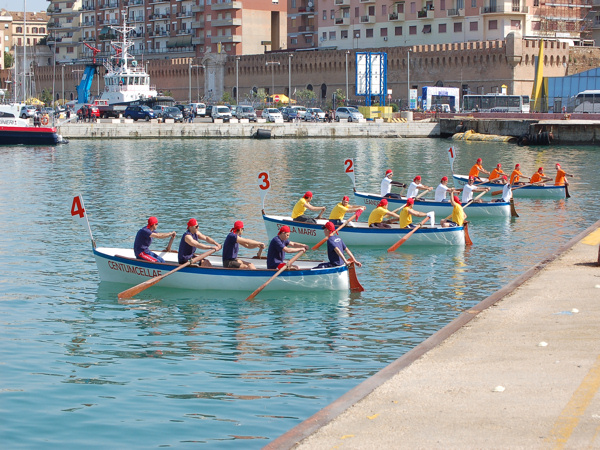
x: 175, y: 368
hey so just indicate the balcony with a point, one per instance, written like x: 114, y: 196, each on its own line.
x: 342, y: 2
x: 184, y: 32
x: 198, y: 24
x: 227, y: 22
x: 136, y: 2
x: 455, y: 12
x: 87, y: 23
x: 198, y: 40
x: 226, y: 39
x: 504, y: 9
x: 367, y: 19
x: 396, y: 17
x: 158, y: 17
x: 306, y: 10
x: 184, y: 14
x: 342, y: 21
x: 367, y: 1
x: 426, y: 14
x: 306, y: 28
x: 197, y: 8
x: 226, y: 5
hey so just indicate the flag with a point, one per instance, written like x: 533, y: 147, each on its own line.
x: 536, y: 93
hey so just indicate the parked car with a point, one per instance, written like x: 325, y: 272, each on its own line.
x: 172, y: 112
x: 208, y: 111
x: 272, y: 114
x: 314, y: 114
x: 159, y: 110
x: 185, y: 110
x: 292, y: 113
x: 348, y: 112
x: 246, y: 112
x: 139, y: 112
x: 221, y: 112
x: 94, y: 111
x: 47, y: 110
x: 27, y: 111
x: 199, y: 109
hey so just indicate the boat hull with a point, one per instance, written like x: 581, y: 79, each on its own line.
x: 527, y: 191
x: 361, y: 234
x: 441, y: 209
x: 28, y: 136
x: 117, y: 265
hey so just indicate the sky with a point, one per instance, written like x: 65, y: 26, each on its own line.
x: 32, y: 5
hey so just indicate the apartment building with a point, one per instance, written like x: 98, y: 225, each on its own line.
x: 5, y: 33
x: 171, y: 28
x: 354, y: 24
x: 303, y: 24
x: 23, y: 30
x: 64, y: 32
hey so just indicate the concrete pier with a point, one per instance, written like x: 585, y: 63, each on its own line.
x: 519, y: 370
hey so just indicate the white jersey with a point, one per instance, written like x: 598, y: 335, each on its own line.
x: 506, y: 192
x: 440, y: 192
x: 468, y: 193
x: 413, y: 190
x: 386, y: 186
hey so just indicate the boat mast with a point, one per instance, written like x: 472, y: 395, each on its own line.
x: 24, y: 51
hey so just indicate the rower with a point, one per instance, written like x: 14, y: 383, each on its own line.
x: 478, y: 167
x: 516, y: 175
x: 339, y: 211
x: 279, y: 246
x: 387, y: 183
x: 442, y: 190
x: 497, y: 174
x: 335, y: 249
x: 190, y: 241
x: 561, y: 176
x: 302, y: 205
x: 407, y: 213
x: 468, y: 190
x: 232, y: 244
x: 539, y: 177
x: 377, y: 215
x: 144, y: 238
x: 415, y: 186
x: 458, y: 214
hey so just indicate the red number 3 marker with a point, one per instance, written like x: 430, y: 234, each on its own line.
x: 264, y: 183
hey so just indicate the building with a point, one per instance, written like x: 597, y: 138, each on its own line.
x: 64, y: 31
x: 26, y: 30
x: 5, y: 33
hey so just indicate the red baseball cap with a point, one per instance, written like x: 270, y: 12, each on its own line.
x: 541, y: 169
x: 444, y: 178
x: 329, y: 226
x: 285, y: 229
x: 505, y: 178
x: 238, y: 225
x: 558, y: 164
x: 192, y: 223
x: 517, y: 165
x: 387, y: 172
x: 152, y: 221
x: 410, y: 201
x: 346, y: 198
x: 383, y: 202
x: 471, y: 179
x: 456, y: 199
x: 308, y: 194
x: 499, y: 165
x: 479, y: 160
x: 418, y: 177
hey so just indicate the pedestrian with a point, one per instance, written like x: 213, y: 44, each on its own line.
x: 143, y: 240
x: 190, y: 241
x: 231, y: 246
x: 279, y: 246
x: 335, y: 249
x: 302, y: 205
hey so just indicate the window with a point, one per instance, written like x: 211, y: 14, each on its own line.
x: 536, y: 2
x: 473, y: 3
x: 293, y: 4
x: 294, y: 41
x: 458, y: 27
x: 442, y: 28
x: 426, y: 29
x: 356, y: 12
x: 332, y: 14
x: 515, y: 24
x: 344, y: 34
x: 413, y: 8
x: 332, y: 35
x: 412, y: 29
x: 383, y: 10
x: 493, y: 25
x: 398, y: 31
x: 383, y: 32
x: 324, y: 35
x: 460, y: 4
x: 369, y: 33
x: 371, y: 10
x: 443, y: 5
x: 19, y: 29
x: 70, y: 49
x: 535, y: 26
x: 473, y: 26
x: 325, y: 15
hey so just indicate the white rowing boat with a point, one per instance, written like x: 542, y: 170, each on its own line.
x: 118, y: 265
x: 359, y: 233
x: 527, y: 191
x: 441, y: 209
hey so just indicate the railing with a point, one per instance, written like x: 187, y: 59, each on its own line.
x: 306, y: 28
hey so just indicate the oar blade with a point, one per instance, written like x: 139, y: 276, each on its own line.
x: 513, y: 210
x: 567, y: 192
x: 468, y: 240
x: 355, y: 285
x: 394, y: 247
x: 133, y: 291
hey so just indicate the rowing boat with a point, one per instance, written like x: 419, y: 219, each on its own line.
x: 118, y: 265
x: 359, y: 233
x: 441, y: 209
x: 518, y: 191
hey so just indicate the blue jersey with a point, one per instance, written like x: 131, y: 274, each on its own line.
x: 142, y: 241
x: 334, y: 242
x: 186, y: 251
x: 230, y: 246
x: 276, y: 255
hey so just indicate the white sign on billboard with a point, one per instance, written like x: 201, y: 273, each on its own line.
x: 376, y: 73
x: 361, y: 74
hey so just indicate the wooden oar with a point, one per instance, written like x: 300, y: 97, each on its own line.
x: 422, y: 194
x: 468, y: 203
x: 409, y: 234
x: 151, y: 282
x: 266, y: 283
x: 519, y: 187
x: 513, y: 211
x: 322, y: 241
x: 355, y: 285
x: 468, y: 240
x: 168, y: 249
x: 567, y: 190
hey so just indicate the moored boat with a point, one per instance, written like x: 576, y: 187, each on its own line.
x: 526, y: 191
x: 118, y: 265
x: 441, y: 209
x: 359, y: 233
x: 16, y: 131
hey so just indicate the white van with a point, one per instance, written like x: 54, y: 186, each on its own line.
x: 221, y: 112
x: 199, y: 109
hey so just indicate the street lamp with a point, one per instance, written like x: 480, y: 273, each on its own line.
x: 272, y: 63
x: 408, y: 75
x: 347, y: 53
x: 190, y: 79
x: 290, y: 56
x: 237, y: 81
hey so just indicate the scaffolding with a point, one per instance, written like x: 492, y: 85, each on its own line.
x: 566, y: 19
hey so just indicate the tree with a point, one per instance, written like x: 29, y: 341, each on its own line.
x: 306, y: 95
x: 46, y: 96
x: 8, y: 60
x: 340, y: 98
x: 227, y: 98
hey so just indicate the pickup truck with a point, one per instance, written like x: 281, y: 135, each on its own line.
x: 107, y: 111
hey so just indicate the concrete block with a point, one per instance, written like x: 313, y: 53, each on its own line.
x: 379, y: 120
x: 233, y: 120
x: 342, y: 120
x: 244, y: 121
x: 109, y: 120
x: 261, y: 120
x: 362, y: 120
x: 217, y: 120
x: 278, y: 121
x: 153, y: 120
x: 126, y: 120
x: 169, y: 121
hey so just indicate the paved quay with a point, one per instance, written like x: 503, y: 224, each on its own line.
x: 519, y: 370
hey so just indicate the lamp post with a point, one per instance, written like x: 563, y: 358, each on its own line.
x: 290, y: 56
x: 189, y: 79
x: 408, y: 76
x: 237, y: 81
x: 347, y: 53
x: 63, y: 82
x: 273, y: 63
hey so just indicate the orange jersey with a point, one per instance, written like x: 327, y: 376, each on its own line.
x: 474, y: 172
x: 496, y: 173
x: 514, y: 176
x: 560, y: 178
x: 536, y: 177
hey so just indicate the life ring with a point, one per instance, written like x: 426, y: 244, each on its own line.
x: 45, y: 120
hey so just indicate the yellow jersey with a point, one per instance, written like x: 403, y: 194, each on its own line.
x: 338, y: 212
x: 300, y: 208
x: 405, y: 218
x: 377, y: 214
x: 458, y: 215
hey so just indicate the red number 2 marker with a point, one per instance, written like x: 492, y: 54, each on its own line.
x: 349, y: 163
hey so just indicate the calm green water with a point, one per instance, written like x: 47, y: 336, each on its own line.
x: 178, y: 368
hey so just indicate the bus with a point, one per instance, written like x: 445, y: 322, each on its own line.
x: 496, y: 103
x: 587, y: 102
x: 445, y: 99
